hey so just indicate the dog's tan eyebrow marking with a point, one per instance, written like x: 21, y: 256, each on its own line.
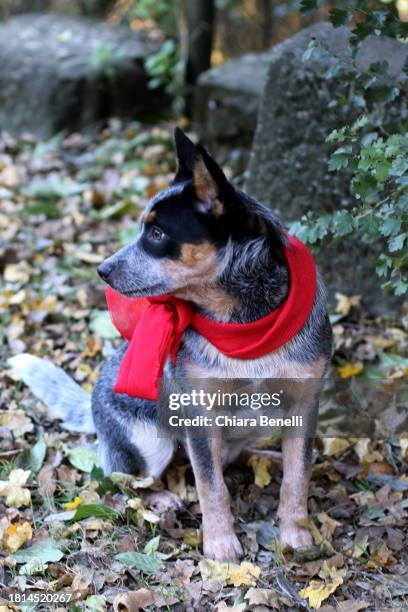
x: 150, y: 216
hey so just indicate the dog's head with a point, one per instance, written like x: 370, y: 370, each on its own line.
x: 187, y: 229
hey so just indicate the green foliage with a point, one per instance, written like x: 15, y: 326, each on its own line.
x: 165, y: 67
x: 162, y: 12
x: 166, y: 70
x: 45, y: 551
x: 103, y: 59
x: 373, y: 150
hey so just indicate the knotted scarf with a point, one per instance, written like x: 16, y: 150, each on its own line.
x: 154, y: 326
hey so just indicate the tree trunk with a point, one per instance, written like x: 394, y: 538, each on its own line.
x: 200, y: 21
x: 266, y: 21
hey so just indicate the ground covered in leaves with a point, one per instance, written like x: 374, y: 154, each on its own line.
x: 127, y: 543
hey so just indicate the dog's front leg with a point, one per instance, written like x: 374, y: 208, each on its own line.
x: 219, y: 539
x: 297, y: 467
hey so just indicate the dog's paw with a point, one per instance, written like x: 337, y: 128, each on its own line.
x: 293, y: 536
x: 226, y: 547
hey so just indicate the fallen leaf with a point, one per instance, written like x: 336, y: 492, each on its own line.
x: 150, y: 516
x: 16, y: 273
x: 82, y: 458
x: 260, y: 467
x: 147, y: 564
x: 263, y: 597
x: 16, y: 495
x: 176, y: 480
x: 95, y: 603
x: 43, y: 551
x: 328, y: 525
x: 16, y: 535
x: 363, y: 448
x: 345, y: 303
x: 14, y: 422
x: 350, y: 369
x: 318, y: 591
x: 132, y: 601
x: 73, y: 505
x: 231, y: 573
x: 192, y: 537
x: 382, y: 557
x: 335, y: 446
x: 309, y: 524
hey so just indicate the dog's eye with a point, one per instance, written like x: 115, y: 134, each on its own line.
x: 155, y: 233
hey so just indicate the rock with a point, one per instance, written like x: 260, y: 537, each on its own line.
x: 64, y: 73
x: 288, y: 167
x: 227, y: 99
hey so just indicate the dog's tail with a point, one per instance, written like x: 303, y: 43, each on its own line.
x: 64, y: 399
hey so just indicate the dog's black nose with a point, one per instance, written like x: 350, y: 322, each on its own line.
x: 104, y: 270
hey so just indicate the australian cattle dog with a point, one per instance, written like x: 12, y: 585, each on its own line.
x: 204, y: 241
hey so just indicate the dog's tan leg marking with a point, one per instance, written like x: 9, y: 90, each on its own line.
x: 294, y: 493
x: 219, y: 539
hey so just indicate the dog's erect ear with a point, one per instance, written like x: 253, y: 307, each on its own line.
x: 186, y: 154
x: 210, y: 183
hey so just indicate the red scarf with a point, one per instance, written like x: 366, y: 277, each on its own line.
x: 154, y: 326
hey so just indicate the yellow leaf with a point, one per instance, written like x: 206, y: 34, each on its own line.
x: 245, y: 573
x: 345, y: 303
x: 307, y: 523
x: 231, y: 573
x: 73, y: 505
x: 350, y: 369
x: 17, y: 535
x: 260, y: 467
x: 335, y: 446
x: 192, y: 537
x: 93, y: 347
x: 318, y: 591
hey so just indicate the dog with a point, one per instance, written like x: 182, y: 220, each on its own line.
x: 204, y: 241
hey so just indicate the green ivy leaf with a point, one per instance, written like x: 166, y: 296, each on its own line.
x: 95, y: 510
x: 147, y: 564
x: 390, y: 226
x: 397, y: 242
x: 45, y: 551
x: 33, y: 458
